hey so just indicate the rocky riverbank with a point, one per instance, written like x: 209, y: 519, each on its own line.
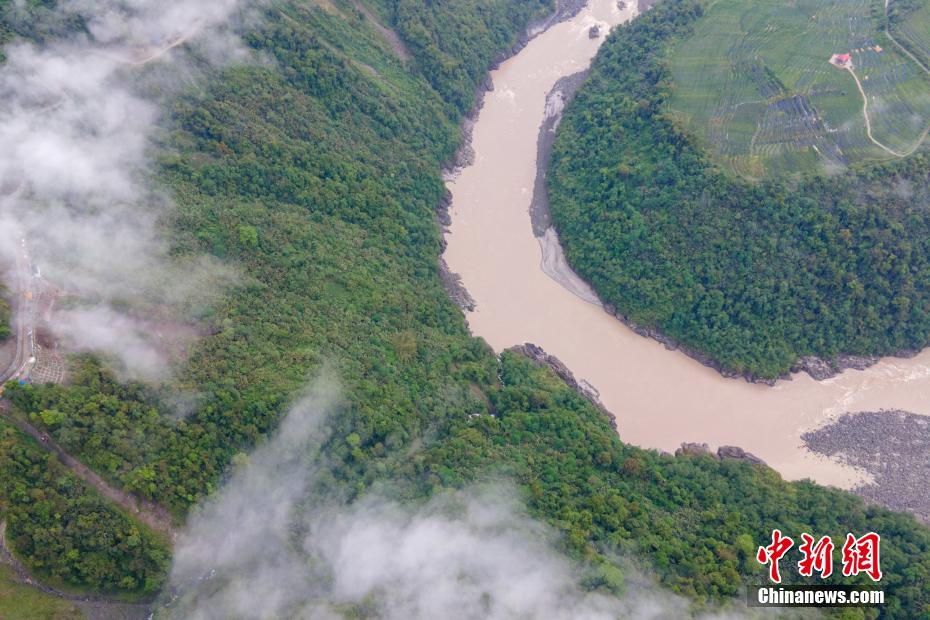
x: 557, y: 267
x: 892, y: 446
x: 539, y: 356
x: 560, y: 95
x: 451, y: 281
x: 465, y: 155
x: 818, y: 368
x: 723, y: 452
x: 553, y: 263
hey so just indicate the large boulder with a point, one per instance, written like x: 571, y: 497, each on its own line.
x: 733, y: 452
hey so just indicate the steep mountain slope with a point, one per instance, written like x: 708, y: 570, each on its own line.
x: 316, y: 174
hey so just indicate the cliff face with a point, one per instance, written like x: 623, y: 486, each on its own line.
x: 538, y: 355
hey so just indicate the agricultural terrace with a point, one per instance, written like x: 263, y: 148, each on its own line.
x: 910, y: 26
x: 755, y: 84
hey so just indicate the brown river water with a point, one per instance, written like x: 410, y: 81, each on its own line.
x: 660, y: 398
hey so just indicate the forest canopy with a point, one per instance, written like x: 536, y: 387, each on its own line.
x: 753, y: 274
x: 317, y: 175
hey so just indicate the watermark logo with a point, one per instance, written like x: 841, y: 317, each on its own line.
x: 817, y: 557
x: 859, y: 555
x: 772, y: 554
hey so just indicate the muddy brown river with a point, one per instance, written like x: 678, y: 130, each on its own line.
x: 660, y: 398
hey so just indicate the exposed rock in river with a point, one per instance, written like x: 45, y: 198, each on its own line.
x: 893, y: 446
x: 821, y: 369
x: 723, y: 452
x: 733, y: 452
x: 693, y: 449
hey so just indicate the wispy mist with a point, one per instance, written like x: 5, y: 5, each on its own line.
x: 240, y: 556
x: 267, y: 545
x: 75, y: 170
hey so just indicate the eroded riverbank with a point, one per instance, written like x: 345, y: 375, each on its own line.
x: 660, y: 398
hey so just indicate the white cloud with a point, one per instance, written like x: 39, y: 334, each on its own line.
x: 269, y: 546
x: 75, y: 170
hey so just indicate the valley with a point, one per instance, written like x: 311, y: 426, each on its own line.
x: 331, y: 430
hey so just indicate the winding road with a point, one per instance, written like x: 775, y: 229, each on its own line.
x: 23, y: 299
x: 24, y: 290
x: 903, y: 49
x: 865, y: 99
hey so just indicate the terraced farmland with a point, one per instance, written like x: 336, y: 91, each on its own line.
x: 910, y: 25
x: 755, y: 84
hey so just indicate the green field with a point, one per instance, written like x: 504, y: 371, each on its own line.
x: 19, y: 602
x: 910, y: 26
x: 754, y: 84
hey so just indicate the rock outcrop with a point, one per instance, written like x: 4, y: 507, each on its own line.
x: 733, y: 452
x: 821, y: 369
x: 538, y: 355
x: 723, y: 452
x: 892, y: 446
x: 693, y: 449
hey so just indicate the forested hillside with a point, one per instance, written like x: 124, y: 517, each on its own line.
x: 66, y: 532
x: 33, y: 20
x: 317, y: 177
x: 755, y: 275
x: 453, y: 53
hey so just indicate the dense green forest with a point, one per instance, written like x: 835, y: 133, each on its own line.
x: 65, y: 532
x: 755, y: 275
x: 453, y: 43
x: 317, y: 176
x: 35, y: 21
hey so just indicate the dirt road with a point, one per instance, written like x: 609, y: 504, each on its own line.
x: 153, y: 515
x: 868, y: 123
x: 865, y: 99
x: 900, y: 47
